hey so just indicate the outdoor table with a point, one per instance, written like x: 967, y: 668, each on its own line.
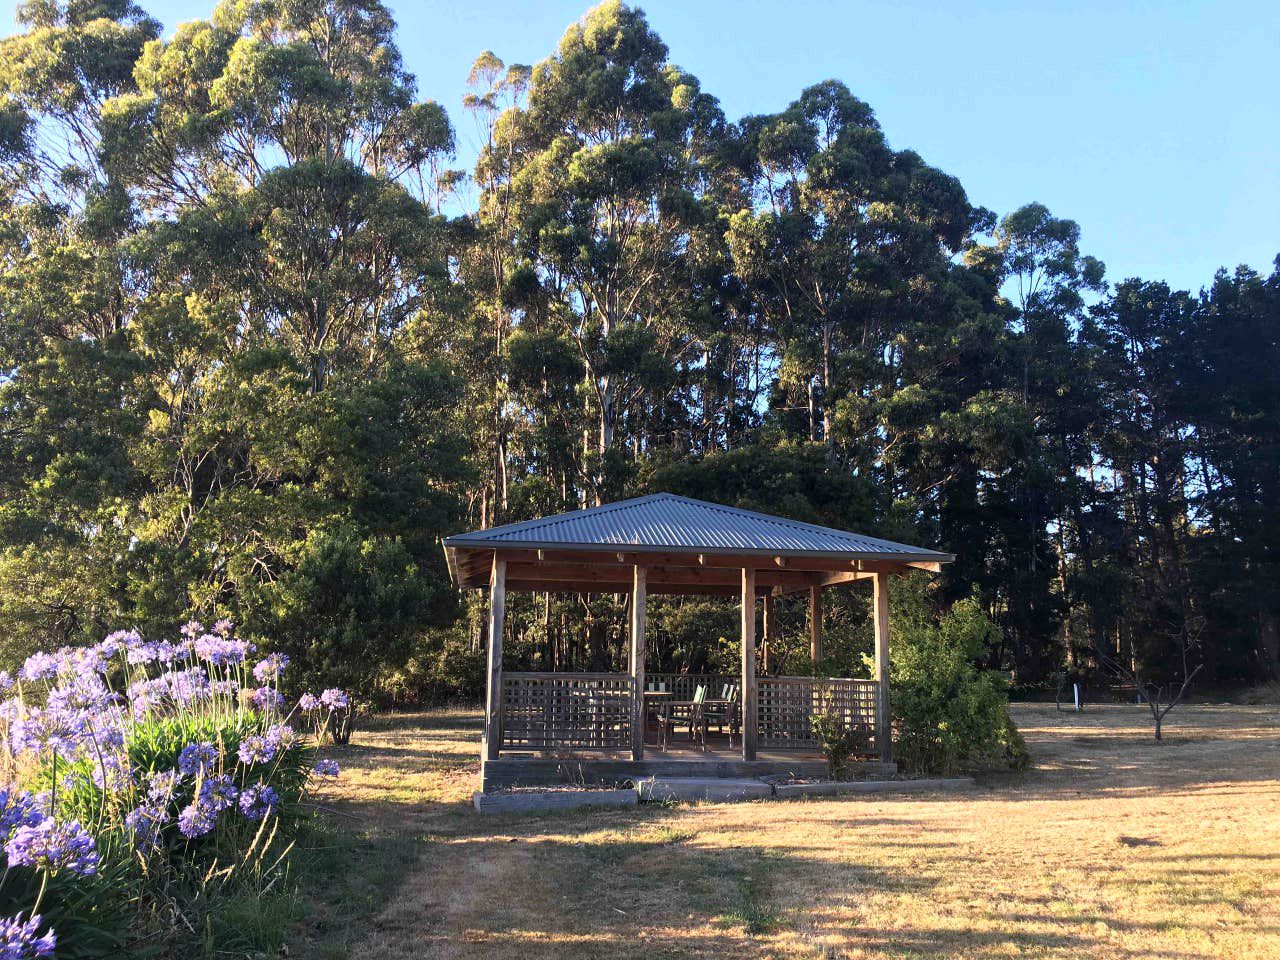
x: 657, y: 701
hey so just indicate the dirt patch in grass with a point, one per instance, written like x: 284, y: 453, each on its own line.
x: 1113, y: 846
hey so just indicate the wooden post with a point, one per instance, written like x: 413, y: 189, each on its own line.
x: 493, y: 692
x: 748, y: 663
x: 770, y: 629
x: 815, y: 624
x: 637, y: 664
x: 880, y: 616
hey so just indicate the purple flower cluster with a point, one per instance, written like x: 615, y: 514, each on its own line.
x: 144, y: 823
x: 52, y: 846
x: 218, y: 793
x: 196, y: 820
x: 327, y: 768
x: 219, y: 650
x: 335, y: 699
x: 270, y: 667
x: 17, y: 809
x: 268, y: 699
x: 68, y: 704
x: 258, y: 801
x: 172, y: 689
x: 40, y: 666
x: 20, y: 940
x: 256, y: 749
x: 196, y: 758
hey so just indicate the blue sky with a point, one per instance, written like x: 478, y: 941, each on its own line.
x: 1156, y: 126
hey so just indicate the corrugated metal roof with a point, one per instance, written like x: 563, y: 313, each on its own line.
x: 669, y: 523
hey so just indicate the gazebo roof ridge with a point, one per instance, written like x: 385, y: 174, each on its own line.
x: 737, y: 531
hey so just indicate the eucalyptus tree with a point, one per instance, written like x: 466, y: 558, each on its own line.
x: 69, y: 297
x: 603, y: 166
x: 838, y: 235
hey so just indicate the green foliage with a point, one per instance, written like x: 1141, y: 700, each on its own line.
x: 837, y: 740
x: 949, y: 714
x: 249, y: 367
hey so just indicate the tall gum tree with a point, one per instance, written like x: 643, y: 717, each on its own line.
x: 839, y: 228
x: 603, y: 173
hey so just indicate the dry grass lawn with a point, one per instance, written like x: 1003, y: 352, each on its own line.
x: 1112, y: 847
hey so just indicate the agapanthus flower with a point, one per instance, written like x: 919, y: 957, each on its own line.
x: 144, y: 823
x: 270, y: 667
x: 85, y: 691
x: 257, y: 749
x: 218, y: 793
x: 221, y: 650
x: 335, y: 699
x: 39, y: 666
x: 224, y: 627
x: 258, y: 801
x: 308, y: 702
x: 197, y: 757
x: 161, y: 784
x: 268, y: 699
x: 17, y: 809
x: 195, y: 820
x: 6, y: 681
x: 19, y: 939
x: 108, y: 770
x: 224, y: 688
x: 58, y: 730
x: 191, y: 629
x: 50, y: 845
x: 145, y: 651
x: 327, y: 768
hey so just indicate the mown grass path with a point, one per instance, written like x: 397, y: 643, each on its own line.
x: 1113, y: 847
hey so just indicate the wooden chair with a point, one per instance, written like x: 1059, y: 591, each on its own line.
x: 724, y: 714
x: 655, y: 711
x: 691, y: 715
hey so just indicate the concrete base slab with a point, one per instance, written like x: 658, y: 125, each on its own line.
x: 659, y: 789
x: 542, y: 801
x: 832, y: 787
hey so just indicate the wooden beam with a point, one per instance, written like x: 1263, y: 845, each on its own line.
x: 638, y: 604
x: 815, y: 624
x: 880, y: 621
x: 613, y: 557
x: 604, y: 573
x: 770, y: 633
x: 748, y: 693
x: 493, y: 691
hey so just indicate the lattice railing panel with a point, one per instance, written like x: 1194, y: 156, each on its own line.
x: 786, y: 706
x: 549, y: 711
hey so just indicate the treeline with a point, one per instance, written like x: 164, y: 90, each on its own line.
x: 261, y: 345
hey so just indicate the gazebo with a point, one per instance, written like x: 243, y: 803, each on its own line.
x: 540, y: 727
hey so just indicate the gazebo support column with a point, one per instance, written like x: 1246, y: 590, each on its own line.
x: 493, y: 690
x: 880, y: 616
x: 749, y: 698
x: 638, y: 604
x: 770, y: 630
x: 815, y: 625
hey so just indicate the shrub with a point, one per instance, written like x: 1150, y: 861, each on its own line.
x: 147, y: 778
x: 837, y: 739
x: 949, y: 714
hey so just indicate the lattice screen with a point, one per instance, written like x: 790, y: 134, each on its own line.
x: 788, y: 704
x: 546, y: 711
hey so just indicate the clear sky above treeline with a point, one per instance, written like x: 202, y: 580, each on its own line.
x: 1154, y: 125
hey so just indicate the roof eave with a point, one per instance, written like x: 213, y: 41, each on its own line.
x: 482, y: 543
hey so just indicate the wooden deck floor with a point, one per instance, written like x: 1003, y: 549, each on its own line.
x: 680, y: 759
